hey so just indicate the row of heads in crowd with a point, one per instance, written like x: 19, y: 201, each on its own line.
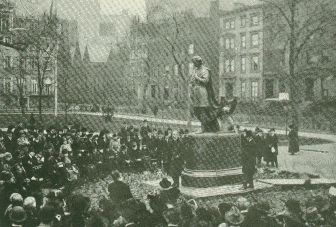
x: 72, y: 130
x: 69, y: 131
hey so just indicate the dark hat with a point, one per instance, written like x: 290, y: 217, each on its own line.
x: 293, y: 205
x: 186, y: 211
x: 203, y: 214
x: 186, y: 131
x: 51, y: 195
x: 145, y: 120
x: 249, y: 133
x: 156, y: 203
x: 224, y: 207
x: 291, y: 126
x: 165, y: 183
x: 17, y: 214
x: 115, y: 175
x: 234, y: 216
x: 272, y: 130
x: 47, y: 214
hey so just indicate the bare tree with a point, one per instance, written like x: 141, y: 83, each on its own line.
x: 39, y: 38
x: 293, y: 23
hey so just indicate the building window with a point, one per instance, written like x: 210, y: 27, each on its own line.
x: 166, y: 93
x: 7, y: 62
x: 243, y: 64
x: 229, y: 25
x: 8, y: 86
x: 153, y: 91
x: 47, y: 89
x: 243, y: 89
x: 255, y: 39
x: 254, y: 89
x: 229, y: 43
x: 282, y: 87
x: 191, y: 49
x: 221, y: 42
x: 34, y: 87
x: 243, y: 22
x: 255, y: 20
x: 229, y: 65
x: 243, y: 40
x: 255, y: 63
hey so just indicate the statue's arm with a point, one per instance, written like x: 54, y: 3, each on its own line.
x: 204, y: 76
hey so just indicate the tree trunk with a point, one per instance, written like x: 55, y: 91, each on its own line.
x: 292, y: 61
x: 40, y: 106
x: 22, y: 105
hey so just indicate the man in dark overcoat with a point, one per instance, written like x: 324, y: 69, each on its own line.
x: 293, y: 138
x: 272, y: 148
x: 260, y: 143
x: 119, y: 191
x: 176, y: 162
x: 249, y: 160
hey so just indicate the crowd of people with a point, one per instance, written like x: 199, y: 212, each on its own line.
x: 33, y: 158
x: 38, y: 166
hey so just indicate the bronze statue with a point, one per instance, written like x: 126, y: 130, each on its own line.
x: 205, y: 106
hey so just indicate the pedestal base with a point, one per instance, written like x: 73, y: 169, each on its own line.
x: 205, y: 179
x: 212, y: 159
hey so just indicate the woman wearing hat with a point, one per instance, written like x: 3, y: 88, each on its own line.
x: 293, y: 138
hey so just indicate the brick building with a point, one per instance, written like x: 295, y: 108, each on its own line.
x: 254, y: 56
x: 241, y: 52
x: 161, y: 57
x: 18, y: 75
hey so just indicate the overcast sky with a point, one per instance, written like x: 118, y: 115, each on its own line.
x: 87, y: 12
x: 77, y: 9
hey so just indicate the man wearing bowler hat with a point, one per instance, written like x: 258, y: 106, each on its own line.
x: 248, y: 160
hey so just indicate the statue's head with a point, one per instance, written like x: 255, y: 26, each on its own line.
x: 197, y: 61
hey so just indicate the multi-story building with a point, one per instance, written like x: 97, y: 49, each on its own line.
x: 161, y: 58
x: 254, y: 56
x: 19, y: 76
x: 241, y: 52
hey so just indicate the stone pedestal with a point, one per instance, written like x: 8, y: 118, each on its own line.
x: 212, y: 159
